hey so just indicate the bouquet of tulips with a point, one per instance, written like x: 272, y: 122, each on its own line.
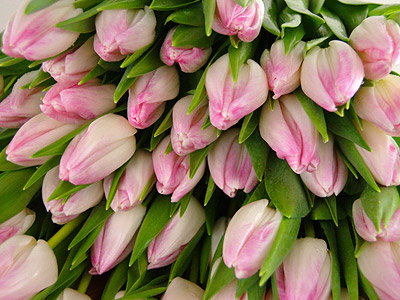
x: 200, y: 150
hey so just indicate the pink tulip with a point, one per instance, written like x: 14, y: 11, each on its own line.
x: 172, y: 172
x: 18, y: 224
x: 331, y: 76
x: 76, y: 104
x: 98, y: 151
x: 74, y: 65
x: 37, y: 133
x: 138, y: 173
x: 228, y: 292
x: 306, y: 271
x: 165, y: 248
x: 330, y: 176
x: 182, y: 289
x: 190, y: 60
x: 147, y: 96
x: 230, y: 164
x: 187, y: 135
x: 22, y: 104
x: 290, y: 133
x: 232, y: 19
x: 121, y: 32
x: 35, y: 36
x: 377, y: 40
x: 230, y: 101
x: 26, y: 267
x: 249, y: 237
x: 379, y: 262
x: 283, y: 70
x: 70, y: 294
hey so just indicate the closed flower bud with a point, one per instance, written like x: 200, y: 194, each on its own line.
x: 27, y: 267
x: 230, y: 101
x: 331, y: 76
x: 230, y: 164
x: 377, y: 41
x: 98, y: 151
x: 249, y: 237
x: 289, y: 131
x: 70, y: 294
x: 165, y: 248
x: 37, y: 133
x: 232, y: 19
x: 34, y: 36
x: 22, y: 104
x: 283, y: 70
x: 182, y: 289
x: 121, y: 32
x: 18, y: 224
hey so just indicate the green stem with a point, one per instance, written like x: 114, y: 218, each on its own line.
x: 309, y: 228
x: 65, y: 231
x: 84, y: 283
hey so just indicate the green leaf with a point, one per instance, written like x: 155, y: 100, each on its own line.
x: 123, y: 85
x: 205, y: 257
x: 6, y: 165
x: 335, y: 24
x: 40, y: 77
x: 367, y: 286
x: 116, y: 281
x: 86, y: 4
x: 170, y: 4
x: 192, y: 16
x: 385, y: 10
x: 148, y: 63
x: 154, y: 141
x: 184, y: 202
x: 270, y: 17
x: 289, y: 19
x: 114, y: 184
x: 331, y: 204
x: 222, y: 277
x: 316, y: 42
x: 17, y: 68
x: 87, y: 243
x: 10, y: 61
x: 123, y: 4
x: 258, y: 151
x: 35, y: 5
x: 211, y: 210
x: 94, y: 73
x: 292, y: 37
x: 250, y: 123
x: 351, y: 15
x: 258, y: 194
x: 65, y: 189
x: 316, y: 5
x: 137, y: 273
x: 42, y: 170
x: 165, y: 124
x: 256, y: 292
x: 146, y: 292
x: 189, y: 37
x: 196, y: 158
x: 210, y: 190
x: 208, y: 10
x: 7, y: 133
x: 321, y: 211
x: 83, y: 26
x: 300, y: 6
x: 238, y: 56
x: 244, y: 284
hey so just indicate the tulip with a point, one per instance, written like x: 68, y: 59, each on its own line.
x: 26, y: 267
x: 18, y: 224
x: 228, y: 292
x: 331, y: 76
x: 217, y: 234
x: 147, y: 96
x: 187, y: 135
x: 165, y: 248
x: 121, y: 32
x: 330, y: 176
x: 189, y: 60
x: 232, y: 19
x: 74, y: 65
x: 380, y: 104
x: 76, y: 104
x: 137, y: 175
x: 384, y: 159
x: 22, y: 104
x: 377, y: 41
x: 37, y: 133
x: 70, y: 294
x: 172, y: 172
x: 306, y: 271
x: 249, y: 237
x: 98, y: 151
x: 182, y: 289
x: 379, y: 262
x: 283, y: 70
x: 34, y: 36
x: 120, y: 294
x: 230, y: 101
x: 116, y: 239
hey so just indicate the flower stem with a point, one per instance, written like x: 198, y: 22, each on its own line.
x: 309, y: 228
x: 65, y: 231
x: 84, y: 283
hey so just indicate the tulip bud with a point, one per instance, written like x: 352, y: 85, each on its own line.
x: 121, y: 32
x: 18, y: 224
x: 187, y: 135
x: 228, y: 292
x: 72, y: 66
x: 37, y: 133
x: 377, y: 41
x: 137, y: 174
x: 172, y: 172
x: 380, y: 104
x: 165, y: 248
x: 306, y: 271
x: 331, y: 76
x: 330, y: 176
x: 98, y: 151
x: 116, y: 239
x: 182, y: 289
x: 76, y: 104
x: 230, y: 164
x: 27, y: 266
x: 283, y: 70
x: 22, y: 104
x: 34, y: 36
x: 230, y: 101
x: 232, y: 19
x: 189, y: 60
x: 289, y: 131
x: 147, y: 96
x: 70, y: 294
x: 249, y: 237
x: 120, y: 294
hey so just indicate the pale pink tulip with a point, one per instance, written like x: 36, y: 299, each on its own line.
x: 98, y: 151
x: 230, y: 101
x: 331, y: 76
x: 70, y: 294
x: 228, y: 292
x: 18, y: 224
x: 182, y: 289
